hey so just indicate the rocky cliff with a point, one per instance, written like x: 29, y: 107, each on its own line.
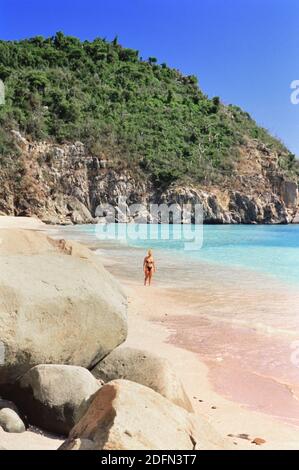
x: 94, y: 121
x: 65, y: 184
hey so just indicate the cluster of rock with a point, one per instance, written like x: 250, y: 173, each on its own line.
x: 62, y: 369
x: 64, y: 184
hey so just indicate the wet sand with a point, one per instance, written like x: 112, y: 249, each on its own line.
x: 247, y: 333
x: 226, y: 395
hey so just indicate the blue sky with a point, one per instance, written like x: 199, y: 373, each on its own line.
x: 245, y: 51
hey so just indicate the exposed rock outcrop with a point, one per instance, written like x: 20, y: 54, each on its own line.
x: 289, y: 193
x: 65, y: 184
x: 128, y: 416
x: 57, y: 306
x: 146, y: 369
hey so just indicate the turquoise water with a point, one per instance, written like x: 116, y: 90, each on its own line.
x: 268, y: 249
x: 271, y: 250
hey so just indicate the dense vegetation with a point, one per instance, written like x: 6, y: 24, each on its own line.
x: 135, y: 112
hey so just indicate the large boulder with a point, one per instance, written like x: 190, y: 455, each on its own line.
x: 58, y: 304
x: 128, y: 416
x: 145, y: 368
x: 10, y: 421
x: 54, y: 397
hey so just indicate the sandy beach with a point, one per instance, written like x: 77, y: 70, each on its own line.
x: 32, y: 439
x: 150, y: 313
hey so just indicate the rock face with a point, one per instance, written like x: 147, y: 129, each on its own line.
x: 289, y: 191
x: 10, y: 421
x: 57, y: 306
x: 146, y: 369
x: 127, y: 416
x: 65, y: 184
x: 54, y: 397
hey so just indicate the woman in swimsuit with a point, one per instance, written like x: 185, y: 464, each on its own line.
x: 149, y: 267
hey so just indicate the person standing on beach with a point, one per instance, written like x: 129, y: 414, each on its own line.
x: 149, y: 267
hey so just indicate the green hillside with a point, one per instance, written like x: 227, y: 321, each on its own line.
x: 138, y: 113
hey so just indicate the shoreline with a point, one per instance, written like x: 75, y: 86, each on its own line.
x: 149, y: 329
x: 189, y: 306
